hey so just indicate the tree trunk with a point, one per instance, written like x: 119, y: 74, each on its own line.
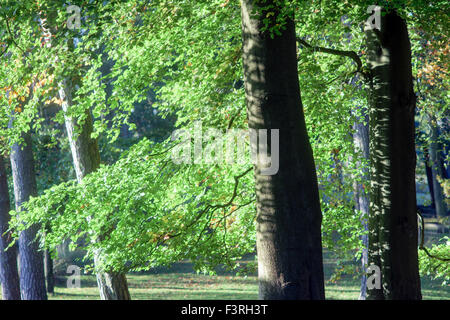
x: 112, y: 285
x: 9, y: 275
x: 361, y: 141
x: 436, y: 170
x: 86, y: 159
x: 49, y: 276
x: 429, y: 174
x: 31, y: 266
x: 288, y: 209
x: 393, y: 217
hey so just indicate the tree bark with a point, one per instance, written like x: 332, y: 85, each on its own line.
x: 9, y: 274
x: 31, y: 266
x: 86, y: 159
x: 289, y: 218
x: 393, y: 218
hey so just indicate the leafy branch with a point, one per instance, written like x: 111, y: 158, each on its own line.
x: 422, y: 237
x: 12, y: 39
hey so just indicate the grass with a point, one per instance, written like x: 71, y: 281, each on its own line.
x: 173, y: 286
x: 181, y: 282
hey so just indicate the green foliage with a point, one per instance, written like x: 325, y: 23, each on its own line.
x: 189, y: 53
x: 140, y: 208
x: 436, y: 267
x: 145, y: 211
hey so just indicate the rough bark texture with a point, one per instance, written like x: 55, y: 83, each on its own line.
x: 9, y: 274
x: 361, y: 141
x: 288, y: 210
x: 86, y: 159
x: 393, y: 217
x: 31, y: 266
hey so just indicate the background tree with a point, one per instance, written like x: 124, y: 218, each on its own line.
x: 9, y: 276
x: 32, y: 278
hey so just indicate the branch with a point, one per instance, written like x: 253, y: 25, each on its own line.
x: 216, y: 206
x: 343, y: 53
x: 6, y: 49
x: 12, y: 38
x: 236, y: 183
x: 230, y: 124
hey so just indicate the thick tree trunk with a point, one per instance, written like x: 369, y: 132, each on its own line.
x: 31, y: 270
x: 361, y: 141
x: 86, y: 159
x: 393, y: 217
x: 9, y: 274
x: 288, y: 210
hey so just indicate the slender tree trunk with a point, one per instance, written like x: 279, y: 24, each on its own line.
x: 361, y: 141
x: 49, y: 276
x: 436, y: 170
x: 288, y: 210
x: 32, y: 278
x: 429, y: 174
x: 86, y: 159
x: 393, y: 217
x: 9, y: 274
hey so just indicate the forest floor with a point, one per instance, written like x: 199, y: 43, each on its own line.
x: 180, y: 282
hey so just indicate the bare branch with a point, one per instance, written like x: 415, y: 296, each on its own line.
x: 343, y: 53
